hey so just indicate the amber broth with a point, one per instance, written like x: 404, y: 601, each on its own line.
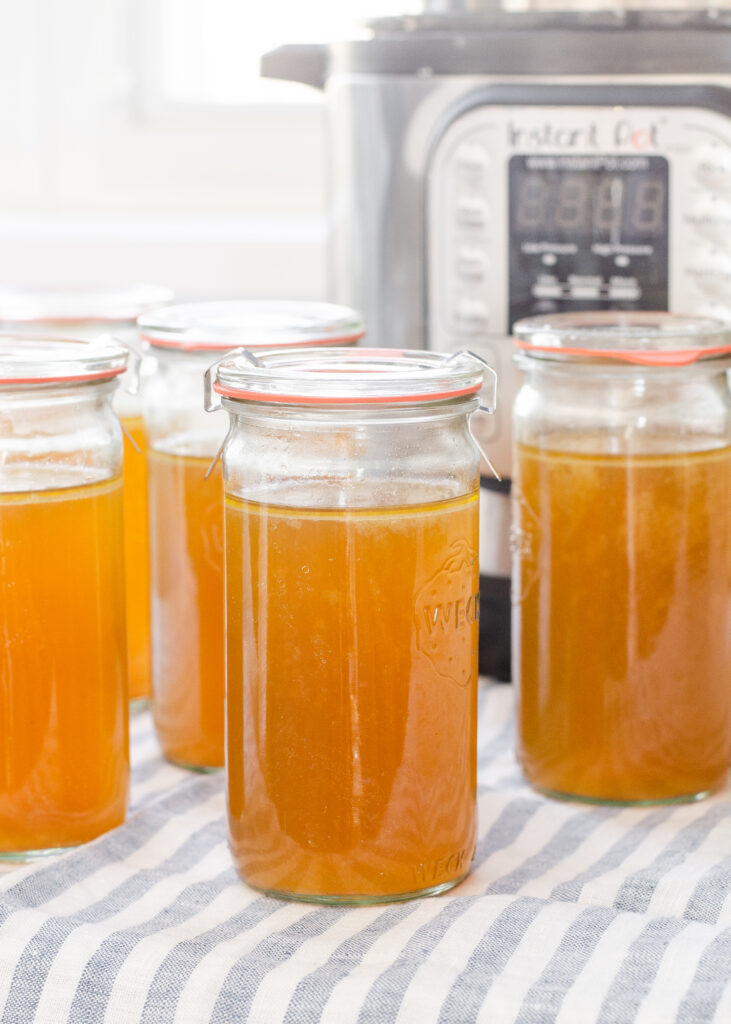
x: 623, y: 651
x: 63, y: 681
x: 186, y: 525
x: 352, y: 673
x: 137, y: 558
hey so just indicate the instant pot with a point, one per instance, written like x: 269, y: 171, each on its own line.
x: 488, y: 165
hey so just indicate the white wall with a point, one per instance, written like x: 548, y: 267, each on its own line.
x: 102, y: 182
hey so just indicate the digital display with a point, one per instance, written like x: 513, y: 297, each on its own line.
x: 605, y: 205
x: 587, y: 232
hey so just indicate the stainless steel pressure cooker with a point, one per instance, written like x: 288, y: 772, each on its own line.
x: 488, y: 165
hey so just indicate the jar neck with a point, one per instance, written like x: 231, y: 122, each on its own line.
x: 619, y: 370
x: 623, y: 410
x: 58, y: 436
x: 350, y: 457
x: 624, y: 383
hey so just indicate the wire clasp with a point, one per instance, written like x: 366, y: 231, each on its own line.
x: 211, y: 400
x: 488, y: 397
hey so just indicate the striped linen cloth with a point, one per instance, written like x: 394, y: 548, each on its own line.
x: 571, y: 914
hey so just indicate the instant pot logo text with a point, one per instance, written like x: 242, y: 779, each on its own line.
x: 622, y: 134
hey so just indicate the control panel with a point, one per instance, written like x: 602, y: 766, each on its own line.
x: 589, y: 232
x: 535, y: 210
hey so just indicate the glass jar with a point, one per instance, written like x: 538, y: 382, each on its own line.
x: 63, y: 677
x: 186, y: 503
x: 352, y: 582
x: 622, y: 556
x: 86, y: 313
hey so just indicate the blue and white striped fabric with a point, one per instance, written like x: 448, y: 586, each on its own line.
x: 571, y: 914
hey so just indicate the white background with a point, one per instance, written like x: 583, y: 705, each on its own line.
x: 136, y: 145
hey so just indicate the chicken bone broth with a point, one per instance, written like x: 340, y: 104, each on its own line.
x: 624, y: 590
x: 351, y: 682
x: 137, y: 557
x: 63, y: 688
x: 186, y: 522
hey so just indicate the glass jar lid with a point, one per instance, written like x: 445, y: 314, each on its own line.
x: 644, y: 338
x: 34, y: 359
x: 357, y: 376
x: 79, y: 305
x: 251, y: 323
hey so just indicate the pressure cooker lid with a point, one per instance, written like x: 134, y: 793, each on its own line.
x: 437, y: 7
x: 435, y: 15
x: 251, y: 324
x: 610, y: 42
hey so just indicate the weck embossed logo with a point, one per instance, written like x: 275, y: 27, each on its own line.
x: 446, y: 606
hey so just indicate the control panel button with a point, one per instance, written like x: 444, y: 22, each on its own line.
x: 710, y: 216
x: 470, y: 315
x: 712, y: 165
x: 547, y: 288
x: 472, y: 211
x: 472, y: 158
x: 710, y: 272
x: 471, y: 264
x: 623, y: 289
x: 585, y: 287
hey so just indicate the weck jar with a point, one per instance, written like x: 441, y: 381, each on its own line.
x: 186, y: 501
x: 86, y: 313
x: 622, y: 556
x: 352, y: 580
x: 63, y: 675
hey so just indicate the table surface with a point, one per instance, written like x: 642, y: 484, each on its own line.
x: 571, y: 913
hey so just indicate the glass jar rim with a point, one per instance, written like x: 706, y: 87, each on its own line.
x: 83, y: 305
x: 252, y: 323
x: 354, y: 376
x: 38, y: 359
x: 641, y: 337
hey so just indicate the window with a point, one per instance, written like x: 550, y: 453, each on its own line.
x: 141, y: 144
